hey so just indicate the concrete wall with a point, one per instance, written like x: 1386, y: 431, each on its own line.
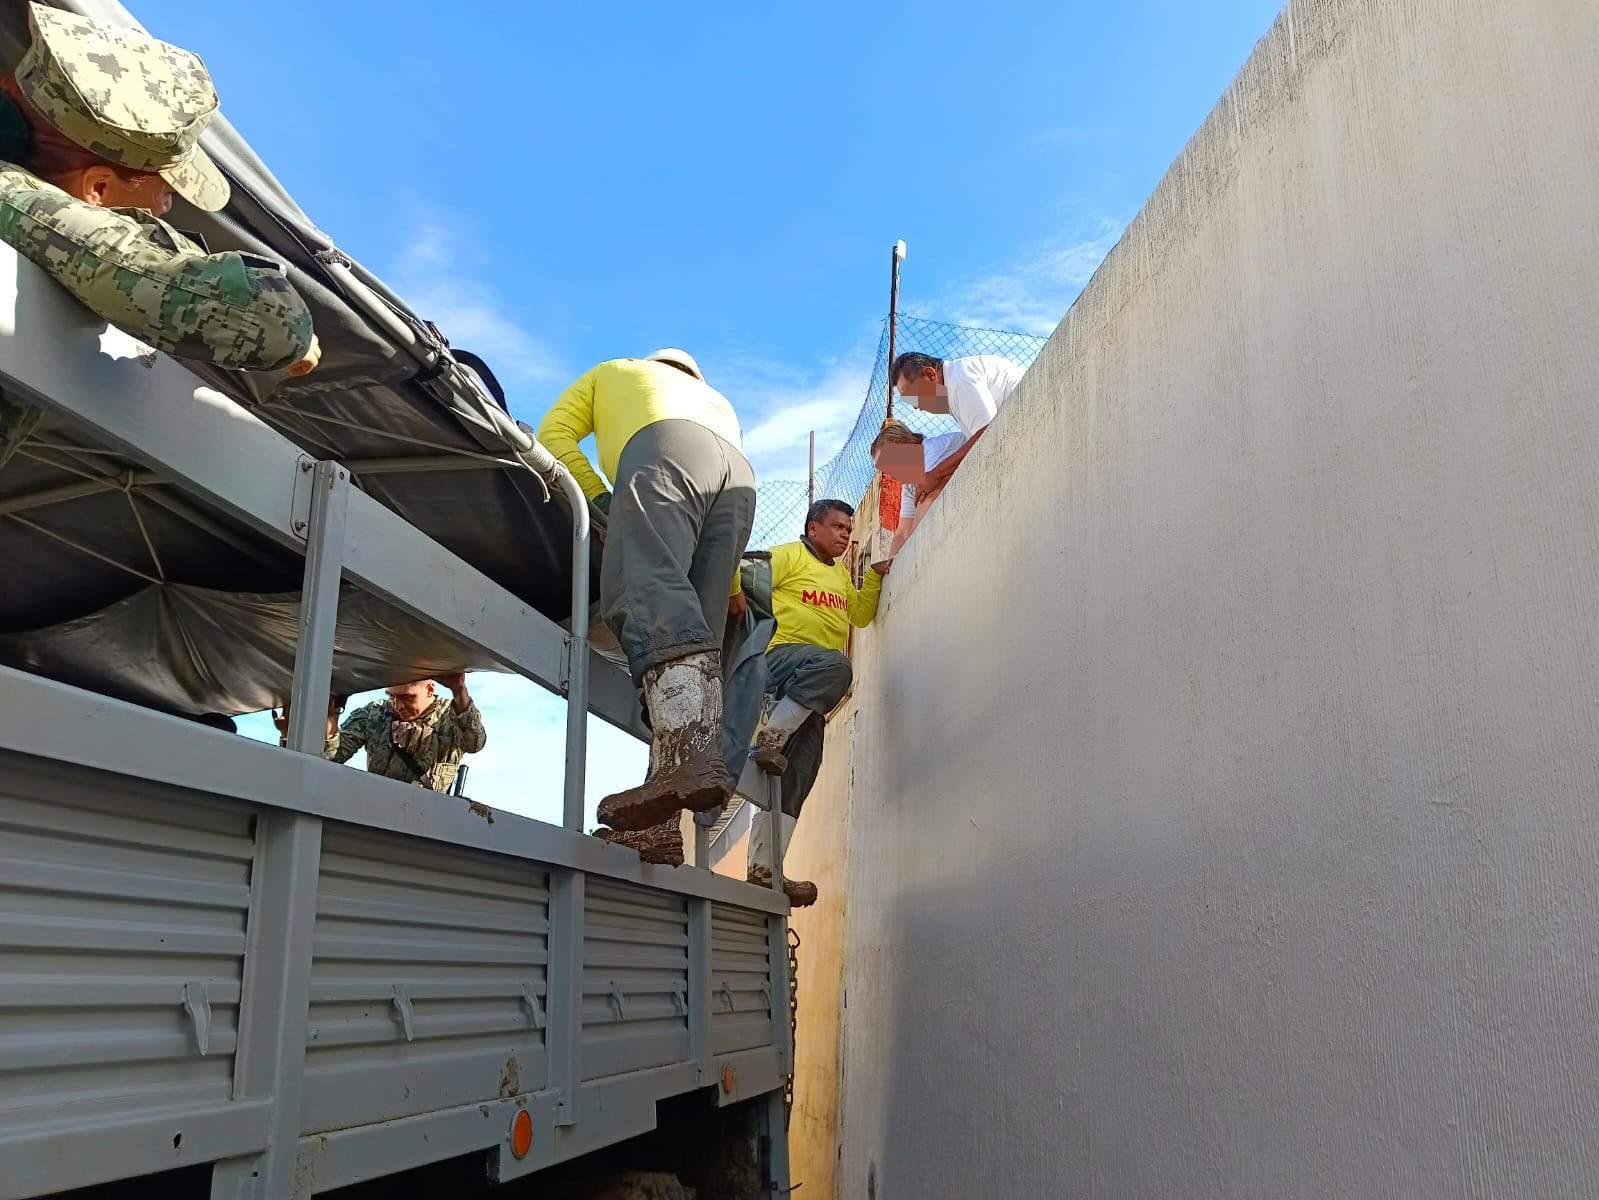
x: 817, y: 853
x: 1226, y: 775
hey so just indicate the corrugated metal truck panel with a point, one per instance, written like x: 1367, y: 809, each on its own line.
x: 149, y: 902
x: 635, y: 979
x: 122, y: 919
x: 428, y: 983
x: 740, y: 980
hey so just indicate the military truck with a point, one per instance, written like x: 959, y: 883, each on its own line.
x: 238, y: 970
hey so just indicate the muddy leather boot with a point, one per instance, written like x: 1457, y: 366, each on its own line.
x: 801, y: 892
x: 685, y: 701
x: 662, y: 844
x: 772, y: 737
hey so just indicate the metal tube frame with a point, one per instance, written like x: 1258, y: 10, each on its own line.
x: 774, y: 1145
x: 577, y: 656
x: 777, y: 926
x: 270, y: 1061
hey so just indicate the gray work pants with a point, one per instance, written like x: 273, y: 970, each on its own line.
x: 810, y: 676
x: 816, y: 679
x: 679, y: 521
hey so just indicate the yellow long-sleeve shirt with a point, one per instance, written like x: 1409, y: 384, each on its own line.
x: 814, y: 603
x: 618, y: 398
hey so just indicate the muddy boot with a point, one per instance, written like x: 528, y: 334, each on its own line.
x: 776, y: 728
x: 801, y: 892
x: 661, y: 844
x: 685, y: 700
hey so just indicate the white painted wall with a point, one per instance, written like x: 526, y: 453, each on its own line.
x: 1226, y: 777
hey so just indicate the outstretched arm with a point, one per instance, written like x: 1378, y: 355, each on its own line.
x: 132, y: 269
x: 940, y: 475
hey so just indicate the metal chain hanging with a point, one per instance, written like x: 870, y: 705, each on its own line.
x: 793, y: 1022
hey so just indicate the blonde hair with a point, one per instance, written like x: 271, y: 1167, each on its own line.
x: 894, y: 432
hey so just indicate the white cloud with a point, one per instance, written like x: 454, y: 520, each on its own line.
x: 1032, y: 295
x: 776, y: 438
x: 437, y: 274
x: 522, y: 768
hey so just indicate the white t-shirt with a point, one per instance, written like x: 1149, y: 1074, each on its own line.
x: 935, y: 450
x: 977, y: 386
x: 939, y: 447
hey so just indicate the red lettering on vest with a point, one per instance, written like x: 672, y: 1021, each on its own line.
x: 822, y: 599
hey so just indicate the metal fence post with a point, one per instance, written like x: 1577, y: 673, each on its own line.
x: 270, y: 1060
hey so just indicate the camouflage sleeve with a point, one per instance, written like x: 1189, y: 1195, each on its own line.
x: 461, y: 731
x: 353, y: 734
x: 232, y: 309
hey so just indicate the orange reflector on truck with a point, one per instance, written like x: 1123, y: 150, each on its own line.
x: 521, y: 1133
x: 727, y: 1079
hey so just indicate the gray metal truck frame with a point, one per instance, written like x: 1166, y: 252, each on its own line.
x: 216, y: 951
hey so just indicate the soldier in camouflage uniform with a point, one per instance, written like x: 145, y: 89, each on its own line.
x: 413, y: 736
x: 98, y: 128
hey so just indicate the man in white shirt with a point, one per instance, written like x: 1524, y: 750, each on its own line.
x: 968, y: 389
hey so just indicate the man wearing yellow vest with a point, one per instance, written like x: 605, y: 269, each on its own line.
x: 677, y: 524
x: 815, y: 603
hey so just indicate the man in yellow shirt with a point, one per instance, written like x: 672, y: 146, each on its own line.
x: 679, y: 518
x: 815, y: 603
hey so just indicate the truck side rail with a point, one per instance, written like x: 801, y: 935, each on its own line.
x: 631, y: 983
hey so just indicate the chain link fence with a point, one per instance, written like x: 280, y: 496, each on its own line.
x: 780, y: 503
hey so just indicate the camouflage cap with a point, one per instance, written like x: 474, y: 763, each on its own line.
x: 120, y: 94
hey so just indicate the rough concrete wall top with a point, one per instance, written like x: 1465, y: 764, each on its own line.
x: 1226, y: 820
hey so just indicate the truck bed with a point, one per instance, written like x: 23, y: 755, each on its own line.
x: 165, y: 886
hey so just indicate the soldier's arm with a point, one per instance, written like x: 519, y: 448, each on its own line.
x: 567, y: 424
x: 461, y: 731
x: 352, y: 735
x: 233, y: 309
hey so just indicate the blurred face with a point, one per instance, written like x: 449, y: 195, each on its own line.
x: 904, y: 461
x: 411, y: 700
x: 926, y: 388
x: 831, y: 535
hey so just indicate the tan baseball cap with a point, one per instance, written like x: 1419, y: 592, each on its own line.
x: 132, y: 100
x: 679, y: 358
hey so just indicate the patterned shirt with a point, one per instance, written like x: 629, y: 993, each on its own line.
x: 130, y: 268
x: 426, y: 751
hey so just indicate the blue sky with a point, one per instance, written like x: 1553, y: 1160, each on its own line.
x: 558, y: 185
